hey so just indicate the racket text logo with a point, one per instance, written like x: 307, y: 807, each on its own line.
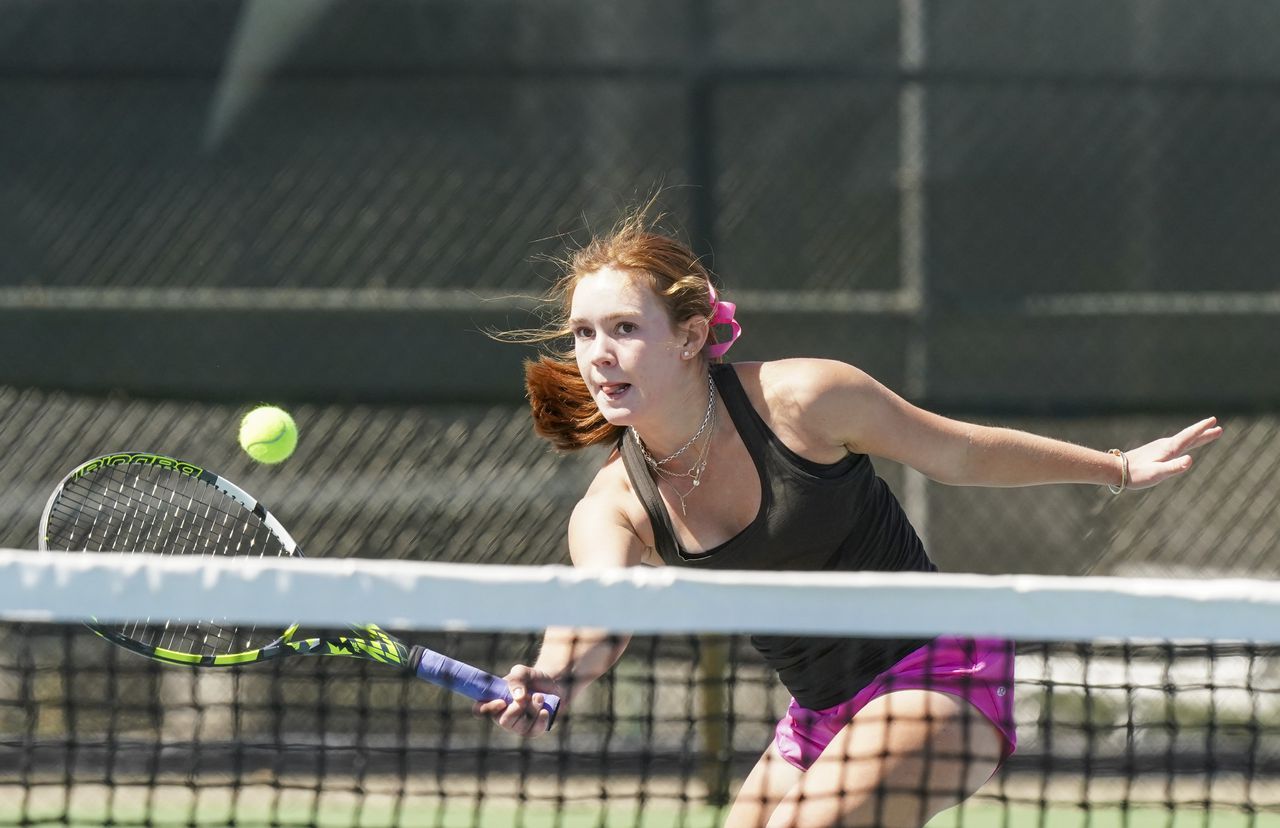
x: 134, y: 458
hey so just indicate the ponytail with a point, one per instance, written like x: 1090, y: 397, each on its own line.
x: 563, y: 411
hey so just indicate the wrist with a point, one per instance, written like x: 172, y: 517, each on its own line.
x: 1123, y: 463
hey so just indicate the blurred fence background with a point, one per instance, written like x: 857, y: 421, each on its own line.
x: 1057, y: 215
x: 1051, y: 214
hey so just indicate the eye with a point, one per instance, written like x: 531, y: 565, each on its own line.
x: 581, y: 333
x: 626, y: 327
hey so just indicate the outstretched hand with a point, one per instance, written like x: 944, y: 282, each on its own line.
x: 1168, y: 456
x: 524, y: 715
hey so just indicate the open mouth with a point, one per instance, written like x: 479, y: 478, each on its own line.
x: 614, y: 390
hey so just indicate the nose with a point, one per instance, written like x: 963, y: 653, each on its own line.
x: 600, y: 350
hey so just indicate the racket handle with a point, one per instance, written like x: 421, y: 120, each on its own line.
x: 469, y: 681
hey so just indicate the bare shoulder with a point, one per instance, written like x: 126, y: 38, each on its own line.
x: 603, y: 528
x: 807, y: 402
x: 805, y: 381
x: 795, y: 391
x: 828, y: 402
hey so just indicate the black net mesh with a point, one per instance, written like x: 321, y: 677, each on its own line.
x: 1050, y: 215
x: 92, y: 735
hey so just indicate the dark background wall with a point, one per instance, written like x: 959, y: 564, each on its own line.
x: 1060, y: 205
x: 1057, y: 215
x: 1052, y: 214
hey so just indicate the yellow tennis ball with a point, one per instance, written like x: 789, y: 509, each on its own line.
x: 268, y: 434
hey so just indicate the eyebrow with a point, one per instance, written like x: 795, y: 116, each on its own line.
x: 608, y: 317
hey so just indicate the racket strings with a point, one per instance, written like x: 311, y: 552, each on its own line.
x: 154, y: 510
x: 119, y: 509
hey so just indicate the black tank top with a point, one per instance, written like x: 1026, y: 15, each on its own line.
x: 813, y: 516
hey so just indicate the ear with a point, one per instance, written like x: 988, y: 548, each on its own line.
x: 692, y: 335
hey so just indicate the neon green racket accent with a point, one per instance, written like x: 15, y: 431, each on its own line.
x: 380, y: 648
x: 237, y: 658
x: 174, y: 655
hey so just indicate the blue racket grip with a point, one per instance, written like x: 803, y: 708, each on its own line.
x: 469, y: 681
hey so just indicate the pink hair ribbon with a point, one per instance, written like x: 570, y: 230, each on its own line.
x: 722, y: 314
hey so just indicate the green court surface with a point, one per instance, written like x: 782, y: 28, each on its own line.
x: 492, y: 802
x: 1015, y: 816
x: 465, y: 815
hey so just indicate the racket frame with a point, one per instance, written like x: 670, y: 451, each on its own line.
x: 371, y: 642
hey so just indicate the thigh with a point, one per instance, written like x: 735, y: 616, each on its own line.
x: 769, y: 782
x: 903, y: 758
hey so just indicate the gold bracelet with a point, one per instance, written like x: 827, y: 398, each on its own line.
x: 1124, y: 472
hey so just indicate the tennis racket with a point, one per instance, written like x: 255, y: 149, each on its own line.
x: 151, y: 504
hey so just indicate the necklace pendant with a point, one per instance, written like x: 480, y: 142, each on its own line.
x: 697, y: 482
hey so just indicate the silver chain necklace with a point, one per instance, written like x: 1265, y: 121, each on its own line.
x: 695, y: 472
x: 699, y: 466
x: 706, y: 418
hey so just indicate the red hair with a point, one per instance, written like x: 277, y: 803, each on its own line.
x: 564, y: 412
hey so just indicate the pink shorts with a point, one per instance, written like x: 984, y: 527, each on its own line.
x: 978, y: 670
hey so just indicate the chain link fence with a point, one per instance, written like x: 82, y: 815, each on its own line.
x: 1053, y: 215
x: 470, y: 483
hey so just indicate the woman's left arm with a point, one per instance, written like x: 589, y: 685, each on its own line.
x: 853, y: 408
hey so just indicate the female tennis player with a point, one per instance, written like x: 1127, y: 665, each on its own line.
x: 765, y: 466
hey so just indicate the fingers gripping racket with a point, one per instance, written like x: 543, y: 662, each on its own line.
x: 151, y: 504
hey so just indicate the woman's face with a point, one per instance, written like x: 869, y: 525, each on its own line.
x: 628, y: 351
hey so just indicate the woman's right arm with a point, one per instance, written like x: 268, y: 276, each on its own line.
x: 600, y: 537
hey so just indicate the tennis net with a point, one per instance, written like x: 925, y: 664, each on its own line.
x: 1137, y: 702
